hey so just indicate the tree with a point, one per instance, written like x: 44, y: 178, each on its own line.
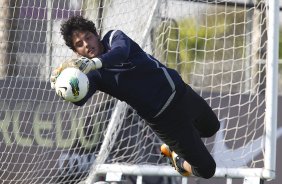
x: 205, y: 38
x: 4, y: 27
x: 7, y: 34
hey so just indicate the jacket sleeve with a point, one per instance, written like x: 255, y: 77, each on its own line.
x: 119, y: 49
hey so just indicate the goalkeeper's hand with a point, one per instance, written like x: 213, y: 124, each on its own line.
x: 86, y: 65
x: 83, y: 64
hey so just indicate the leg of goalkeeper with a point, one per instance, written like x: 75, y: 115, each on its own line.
x: 186, y: 142
x: 181, y: 127
x: 202, y: 115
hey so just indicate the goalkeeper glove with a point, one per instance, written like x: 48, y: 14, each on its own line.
x: 86, y: 65
x: 56, y: 73
x: 83, y: 64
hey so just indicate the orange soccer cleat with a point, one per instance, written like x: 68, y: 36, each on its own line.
x: 175, y: 160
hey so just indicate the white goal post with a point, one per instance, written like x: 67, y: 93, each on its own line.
x: 226, y: 50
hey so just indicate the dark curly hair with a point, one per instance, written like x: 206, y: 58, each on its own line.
x: 76, y: 23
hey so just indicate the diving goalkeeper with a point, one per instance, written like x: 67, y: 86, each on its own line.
x: 118, y: 66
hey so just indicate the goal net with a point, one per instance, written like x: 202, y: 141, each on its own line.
x: 225, y: 50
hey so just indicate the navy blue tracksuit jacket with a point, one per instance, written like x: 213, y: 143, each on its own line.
x: 133, y: 76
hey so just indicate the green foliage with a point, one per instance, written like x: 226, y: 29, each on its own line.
x: 211, y: 37
x: 280, y: 45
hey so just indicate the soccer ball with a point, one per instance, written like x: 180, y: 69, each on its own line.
x: 72, y: 85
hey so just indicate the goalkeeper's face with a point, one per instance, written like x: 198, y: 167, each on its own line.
x: 87, y: 44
